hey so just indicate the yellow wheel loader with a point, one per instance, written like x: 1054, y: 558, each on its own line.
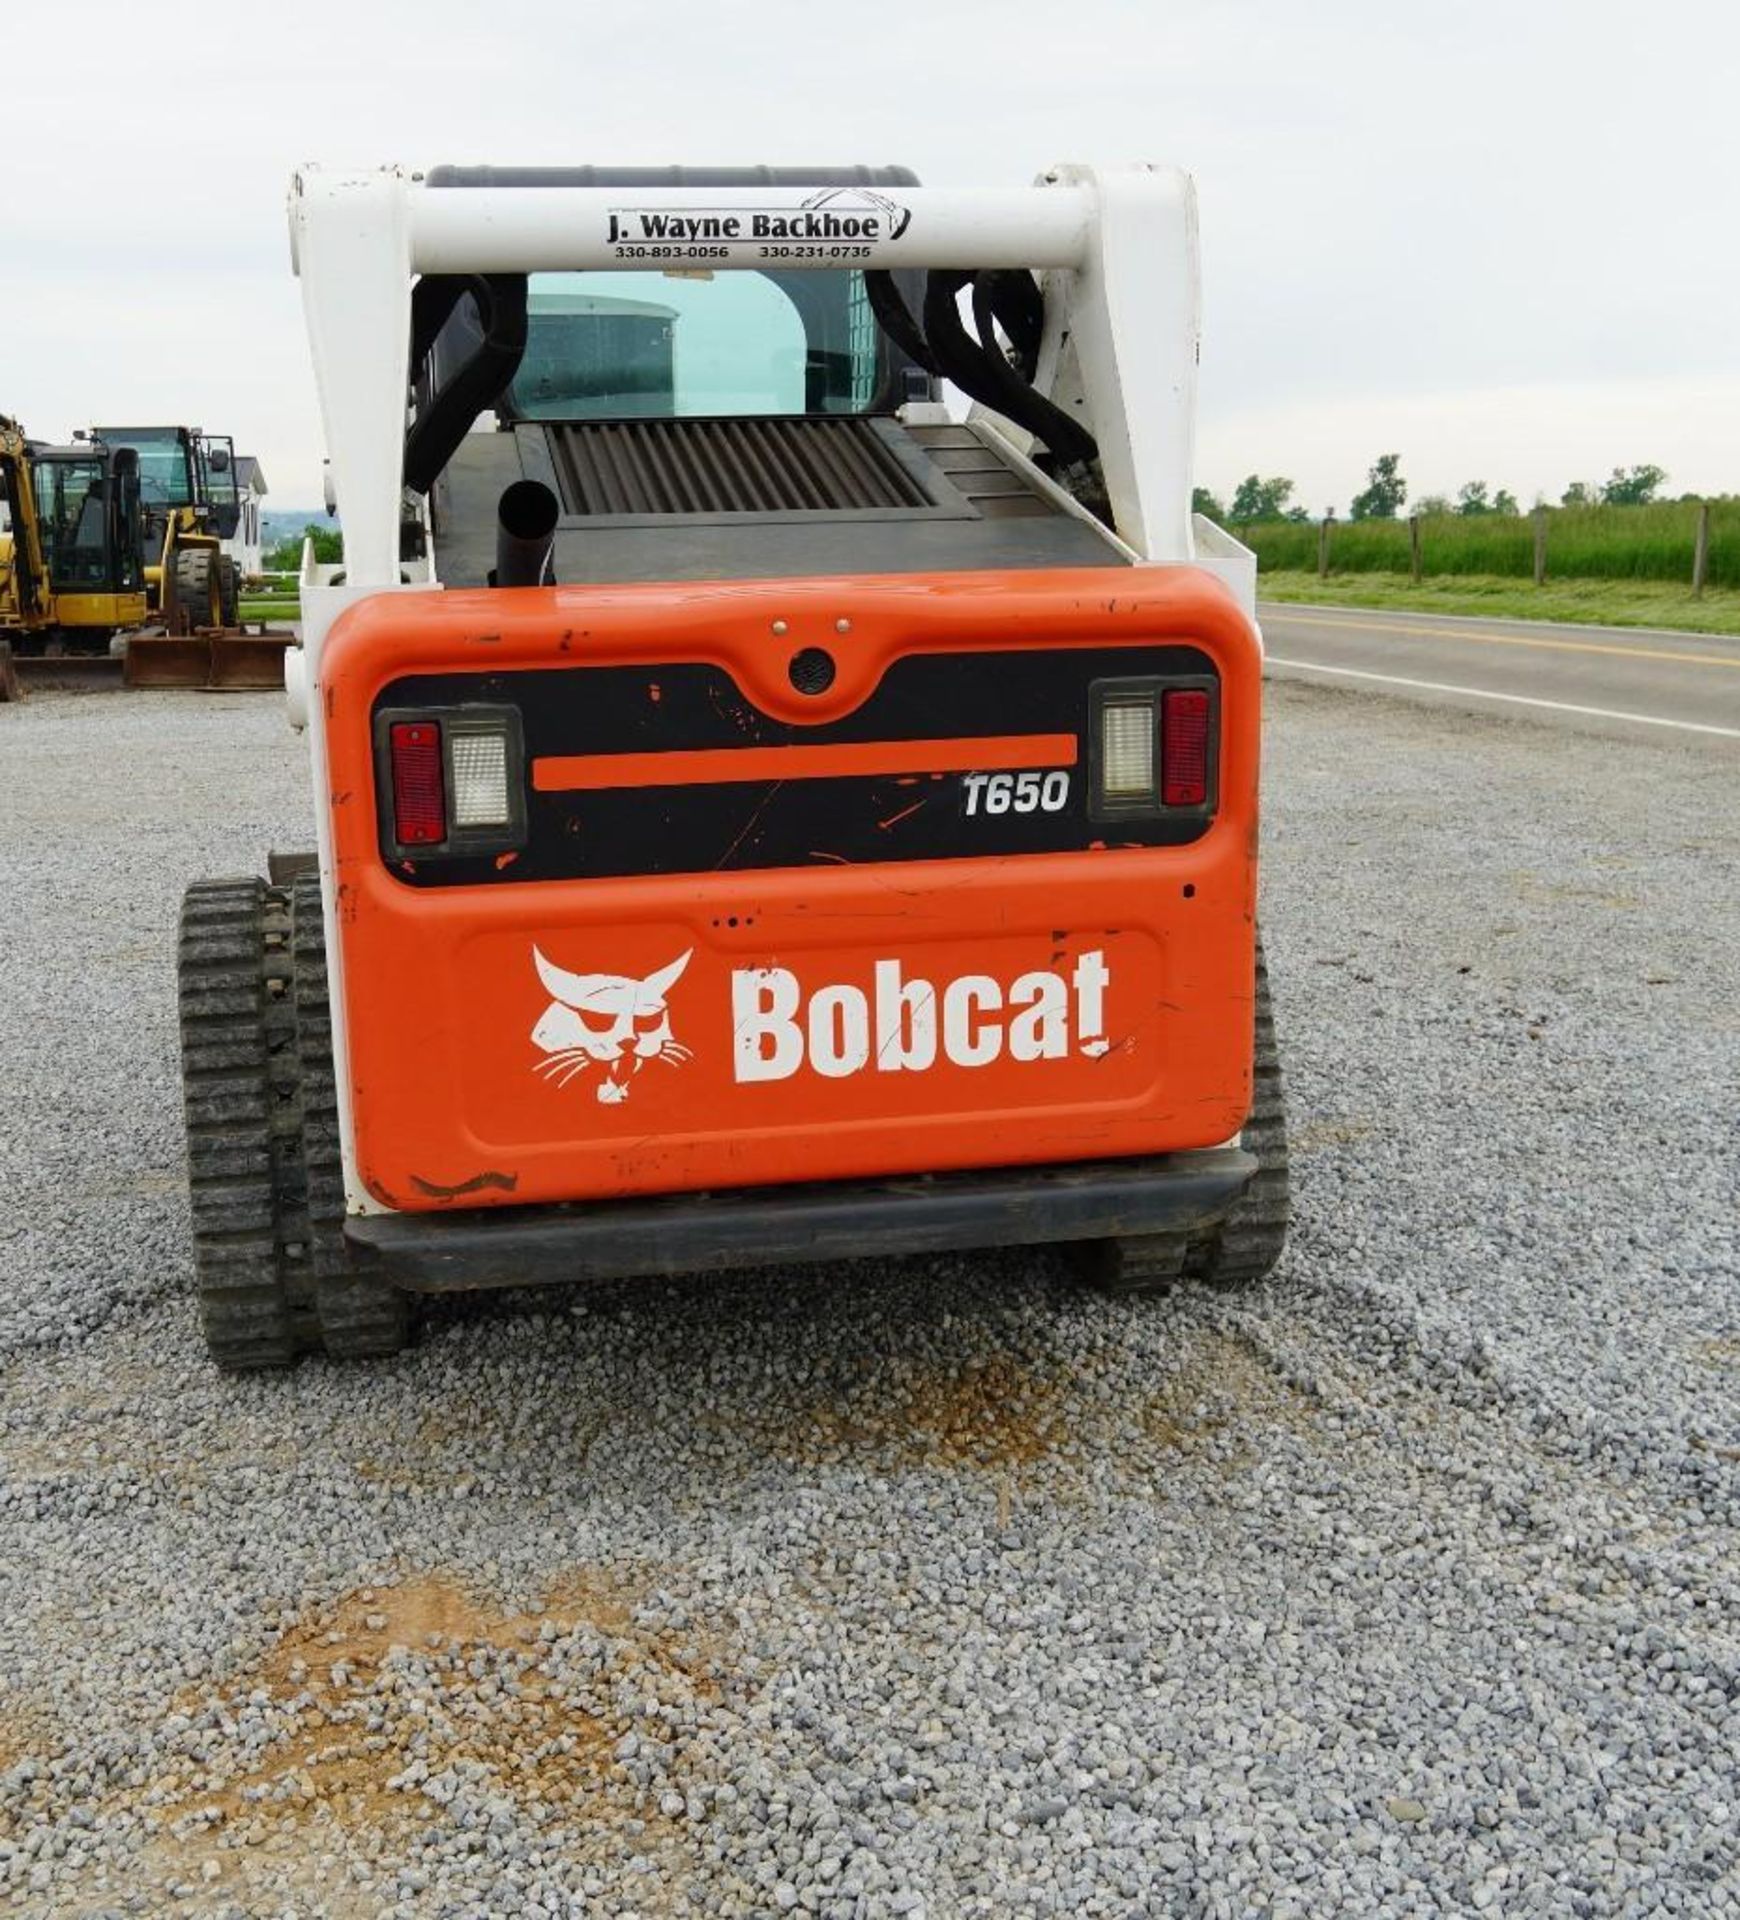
x: 191, y: 505
x: 72, y: 569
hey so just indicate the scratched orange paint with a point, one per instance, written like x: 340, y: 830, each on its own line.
x: 443, y: 994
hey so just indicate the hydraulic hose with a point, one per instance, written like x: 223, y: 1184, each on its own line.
x: 989, y: 378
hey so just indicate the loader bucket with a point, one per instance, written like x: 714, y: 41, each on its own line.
x: 165, y: 660
x: 216, y: 662
x: 249, y: 662
x: 63, y: 672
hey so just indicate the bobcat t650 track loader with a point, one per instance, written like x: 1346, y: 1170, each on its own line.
x: 762, y: 814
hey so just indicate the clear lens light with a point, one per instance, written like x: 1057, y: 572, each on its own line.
x: 1127, y: 749
x: 480, y: 780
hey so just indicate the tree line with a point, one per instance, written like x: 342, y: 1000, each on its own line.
x: 1385, y: 494
x: 285, y: 556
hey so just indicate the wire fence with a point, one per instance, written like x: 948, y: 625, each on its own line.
x: 1694, y: 542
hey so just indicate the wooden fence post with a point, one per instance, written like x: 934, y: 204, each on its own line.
x: 1701, y: 550
x: 1323, y: 547
x: 1414, y: 547
x: 1540, y: 546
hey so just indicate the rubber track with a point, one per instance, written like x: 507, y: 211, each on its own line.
x: 239, y: 1080
x: 1247, y: 1244
x: 358, y: 1317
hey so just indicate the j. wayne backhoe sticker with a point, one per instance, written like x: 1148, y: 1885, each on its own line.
x: 835, y: 223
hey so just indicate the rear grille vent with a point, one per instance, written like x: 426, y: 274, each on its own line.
x: 786, y: 465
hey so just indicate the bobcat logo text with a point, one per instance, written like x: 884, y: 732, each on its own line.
x: 608, y: 1025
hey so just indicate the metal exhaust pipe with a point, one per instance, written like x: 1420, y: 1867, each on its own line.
x: 525, y: 536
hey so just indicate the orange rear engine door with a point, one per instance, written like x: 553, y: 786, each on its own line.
x: 804, y: 880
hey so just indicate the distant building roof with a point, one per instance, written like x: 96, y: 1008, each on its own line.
x: 249, y: 475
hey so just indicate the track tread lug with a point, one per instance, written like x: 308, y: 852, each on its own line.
x: 1246, y: 1245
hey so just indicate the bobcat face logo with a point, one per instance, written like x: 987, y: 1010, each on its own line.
x: 605, y: 1020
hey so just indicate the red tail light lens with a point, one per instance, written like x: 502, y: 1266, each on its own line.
x: 419, y: 784
x: 1184, y: 748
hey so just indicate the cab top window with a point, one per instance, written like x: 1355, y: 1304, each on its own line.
x: 608, y: 345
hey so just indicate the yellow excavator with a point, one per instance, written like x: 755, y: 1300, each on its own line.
x: 72, y: 567
x: 191, y: 504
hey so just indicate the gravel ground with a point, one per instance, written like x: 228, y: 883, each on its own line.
x: 1407, y: 1583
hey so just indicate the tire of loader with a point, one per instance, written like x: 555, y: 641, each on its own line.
x: 229, y: 592
x: 197, y: 590
x: 1245, y: 1246
x: 262, y: 1139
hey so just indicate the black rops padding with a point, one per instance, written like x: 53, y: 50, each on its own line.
x: 525, y: 535
x: 812, y: 671
x: 495, y: 333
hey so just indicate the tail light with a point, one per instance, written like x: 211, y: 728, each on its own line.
x: 1184, y: 747
x: 452, y: 782
x: 1152, y: 747
x: 419, y: 790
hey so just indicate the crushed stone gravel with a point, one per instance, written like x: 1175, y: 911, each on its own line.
x: 1404, y: 1584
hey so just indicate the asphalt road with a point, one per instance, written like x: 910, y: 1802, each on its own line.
x: 1614, y: 680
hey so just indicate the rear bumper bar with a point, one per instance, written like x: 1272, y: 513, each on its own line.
x: 766, y: 1226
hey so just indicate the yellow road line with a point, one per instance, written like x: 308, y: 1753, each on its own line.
x: 1507, y: 640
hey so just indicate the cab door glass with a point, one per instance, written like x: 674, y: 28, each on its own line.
x: 218, y: 471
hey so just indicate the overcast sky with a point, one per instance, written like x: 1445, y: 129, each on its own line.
x: 1498, y: 240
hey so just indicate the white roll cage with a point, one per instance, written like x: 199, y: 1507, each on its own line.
x: 1117, y: 246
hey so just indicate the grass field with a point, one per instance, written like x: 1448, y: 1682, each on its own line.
x: 1607, y: 603
x: 1651, y: 543
x: 276, y: 609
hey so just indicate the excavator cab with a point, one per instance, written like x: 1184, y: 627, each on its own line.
x: 766, y: 809
x: 72, y: 563
x: 87, y: 500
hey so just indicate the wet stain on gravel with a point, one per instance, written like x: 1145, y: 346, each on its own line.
x: 1316, y: 1135
x: 1553, y: 892
x: 1225, y: 1400
x: 994, y: 1411
x: 586, y: 1717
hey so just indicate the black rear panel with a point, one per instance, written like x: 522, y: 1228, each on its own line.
x: 719, y: 825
